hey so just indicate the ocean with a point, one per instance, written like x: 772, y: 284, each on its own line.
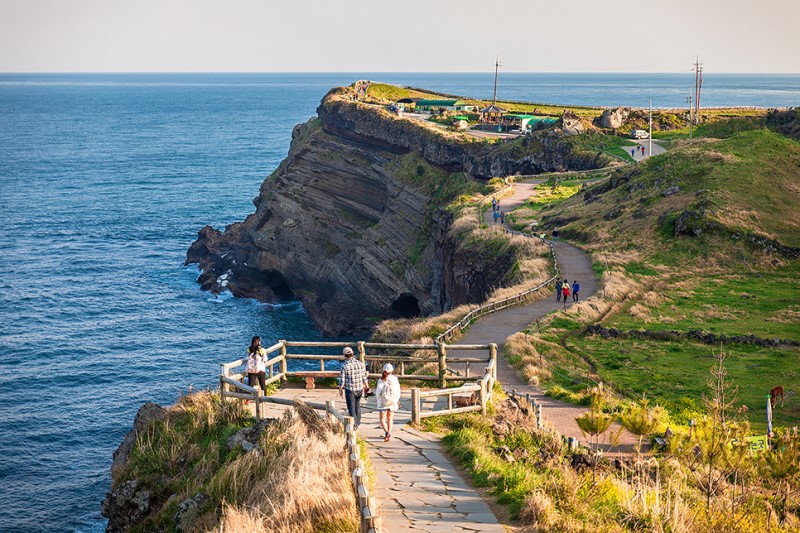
x: 105, y: 181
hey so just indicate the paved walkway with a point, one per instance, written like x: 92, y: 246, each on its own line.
x: 638, y: 156
x: 574, y: 263
x: 418, y: 489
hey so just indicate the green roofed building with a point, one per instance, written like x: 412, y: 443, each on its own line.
x: 443, y: 105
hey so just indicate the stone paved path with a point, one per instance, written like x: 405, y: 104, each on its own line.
x: 418, y: 488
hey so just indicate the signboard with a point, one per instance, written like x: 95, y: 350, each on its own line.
x: 758, y: 443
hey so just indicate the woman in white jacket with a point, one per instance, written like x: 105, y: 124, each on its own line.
x: 387, y: 392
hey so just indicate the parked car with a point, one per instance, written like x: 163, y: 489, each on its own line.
x: 639, y: 134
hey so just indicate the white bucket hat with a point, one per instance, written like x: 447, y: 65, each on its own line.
x: 388, y: 368
x: 347, y: 351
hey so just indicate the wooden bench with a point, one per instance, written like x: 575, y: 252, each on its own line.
x: 312, y: 375
x: 661, y: 442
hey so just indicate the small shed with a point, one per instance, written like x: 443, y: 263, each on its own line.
x: 492, y: 114
x: 443, y: 105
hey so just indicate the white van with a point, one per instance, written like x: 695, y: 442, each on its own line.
x: 639, y: 134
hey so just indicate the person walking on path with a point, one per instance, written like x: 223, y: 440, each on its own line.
x: 494, y: 205
x: 256, y: 364
x: 352, y: 384
x: 558, y: 289
x: 575, y: 288
x: 633, y: 152
x: 555, y: 236
x: 387, y: 392
x: 502, y: 218
x: 565, y: 291
x: 496, y: 216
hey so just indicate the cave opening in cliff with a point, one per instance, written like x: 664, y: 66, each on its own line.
x: 406, y: 306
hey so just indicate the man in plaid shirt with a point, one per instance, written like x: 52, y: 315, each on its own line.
x: 352, y: 383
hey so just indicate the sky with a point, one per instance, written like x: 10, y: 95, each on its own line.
x: 407, y: 36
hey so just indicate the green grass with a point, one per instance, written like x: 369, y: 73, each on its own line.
x: 764, y: 304
x: 675, y: 374
x: 597, y: 142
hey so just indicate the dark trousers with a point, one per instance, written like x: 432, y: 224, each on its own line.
x: 261, y: 377
x: 353, y: 400
x: 558, y: 295
x: 574, y: 296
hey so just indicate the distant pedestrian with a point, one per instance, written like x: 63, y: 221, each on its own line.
x: 633, y: 152
x: 555, y: 235
x: 256, y: 364
x: 565, y: 291
x: 558, y: 289
x: 642, y: 150
x: 575, y: 288
x: 494, y: 204
x: 387, y: 393
x: 502, y: 218
x: 496, y: 216
x: 352, y: 384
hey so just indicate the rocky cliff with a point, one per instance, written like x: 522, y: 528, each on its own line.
x: 351, y: 222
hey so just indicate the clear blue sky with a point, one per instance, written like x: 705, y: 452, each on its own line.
x: 408, y: 36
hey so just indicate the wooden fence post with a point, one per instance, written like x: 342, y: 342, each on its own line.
x: 362, y: 352
x: 493, y: 357
x: 442, y: 365
x: 258, y: 394
x: 283, y: 361
x: 222, y: 385
x: 484, y: 384
x: 415, y: 406
x: 330, y: 405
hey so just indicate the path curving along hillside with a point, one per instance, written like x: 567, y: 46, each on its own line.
x: 496, y: 327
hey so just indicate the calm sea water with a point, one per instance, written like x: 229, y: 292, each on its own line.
x: 104, y: 182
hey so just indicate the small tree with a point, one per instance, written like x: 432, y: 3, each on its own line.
x: 641, y: 420
x: 718, y: 446
x: 780, y: 469
x: 595, y: 423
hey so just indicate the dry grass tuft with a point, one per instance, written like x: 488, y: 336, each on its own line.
x: 641, y: 312
x: 786, y: 316
x: 538, y: 511
x: 297, y: 483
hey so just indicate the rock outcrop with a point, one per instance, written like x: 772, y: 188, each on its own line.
x: 350, y: 222
x: 571, y: 123
x: 613, y: 118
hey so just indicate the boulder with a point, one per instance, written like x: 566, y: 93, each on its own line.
x: 188, y: 510
x: 247, y: 438
x: 125, y: 506
x: 614, y: 118
x: 571, y: 124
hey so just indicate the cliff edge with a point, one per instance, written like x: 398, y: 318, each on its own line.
x: 353, y: 221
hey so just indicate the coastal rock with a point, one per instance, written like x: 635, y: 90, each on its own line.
x: 613, y: 118
x: 188, y: 510
x: 147, y: 414
x: 346, y: 224
x: 124, y: 506
x: 247, y: 438
x: 571, y: 123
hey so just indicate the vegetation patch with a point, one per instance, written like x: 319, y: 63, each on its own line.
x: 293, y: 479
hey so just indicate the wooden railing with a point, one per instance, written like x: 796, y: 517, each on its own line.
x: 484, y: 388
x: 231, y: 378
x: 510, y: 301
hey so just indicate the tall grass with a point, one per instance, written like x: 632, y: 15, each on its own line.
x: 295, y: 480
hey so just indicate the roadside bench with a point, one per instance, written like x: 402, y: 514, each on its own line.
x: 312, y: 375
x: 661, y: 442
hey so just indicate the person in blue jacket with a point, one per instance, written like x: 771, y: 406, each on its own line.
x: 575, y: 288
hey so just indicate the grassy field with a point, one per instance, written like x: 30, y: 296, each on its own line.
x: 661, y: 276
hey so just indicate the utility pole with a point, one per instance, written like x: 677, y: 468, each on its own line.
x: 496, y: 67
x: 698, y: 83
x: 650, y: 137
x: 691, y: 117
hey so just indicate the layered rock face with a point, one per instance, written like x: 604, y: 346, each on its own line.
x: 347, y: 222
